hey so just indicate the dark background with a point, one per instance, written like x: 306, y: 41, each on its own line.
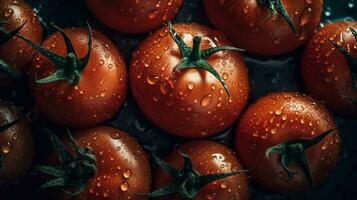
x: 267, y: 74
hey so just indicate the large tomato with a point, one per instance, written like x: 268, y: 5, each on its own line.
x: 189, y: 92
x: 199, y: 159
x: 286, y: 141
x: 99, y: 163
x: 16, y: 145
x: 17, y: 17
x: 86, y: 86
x: 329, y: 67
x: 267, y: 27
x: 134, y: 16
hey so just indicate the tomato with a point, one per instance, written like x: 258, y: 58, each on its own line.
x: 297, y: 121
x: 328, y: 73
x: 134, y: 16
x: 109, y: 164
x: 16, y: 144
x: 266, y: 27
x: 189, y: 92
x: 17, y: 17
x: 207, y: 159
x: 82, y: 88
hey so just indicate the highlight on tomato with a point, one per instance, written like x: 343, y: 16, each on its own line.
x: 266, y: 27
x: 288, y: 141
x: 189, y: 81
x: 77, y: 77
x: 329, y: 67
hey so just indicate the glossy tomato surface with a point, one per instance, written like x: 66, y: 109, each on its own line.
x: 123, y: 170
x: 16, y: 146
x: 101, y: 89
x: 326, y: 72
x: 283, y: 117
x: 190, y: 103
x: 249, y: 25
x: 16, y: 52
x: 134, y: 16
x: 208, y: 158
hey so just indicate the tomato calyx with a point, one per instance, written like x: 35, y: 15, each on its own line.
x: 352, y: 61
x: 186, y: 182
x: 68, y: 68
x: 74, y: 170
x: 276, y: 7
x: 294, y: 151
x: 195, y: 58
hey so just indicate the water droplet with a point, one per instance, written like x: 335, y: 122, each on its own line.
x: 127, y: 174
x: 124, y: 186
x: 206, y: 100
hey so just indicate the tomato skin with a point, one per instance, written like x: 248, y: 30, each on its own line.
x: 191, y: 103
x: 283, y: 117
x: 245, y: 22
x: 133, y: 16
x: 326, y: 72
x: 123, y: 170
x: 100, y: 92
x: 208, y: 157
x: 16, y: 52
x: 18, y: 156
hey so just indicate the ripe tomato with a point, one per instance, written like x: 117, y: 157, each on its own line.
x: 204, y: 159
x: 16, y: 144
x: 328, y: 73
x: 267, y: 27
x: 134, y: 16
x: 293, y: 119
x: 17, y: 16
x: 183, y: 93
x: 82, y: 92
x: 100, y: 163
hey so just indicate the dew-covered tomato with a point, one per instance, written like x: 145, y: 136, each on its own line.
x: 16, y: 145
x: 17, y: 17
x: 329, y: 67
x: 210, y: 171
x: 188, y: 91
x: 267, y: 27
x: 288, y: 142
x: 86, y: 86
x: 134, y: 16
x: 99, y: 163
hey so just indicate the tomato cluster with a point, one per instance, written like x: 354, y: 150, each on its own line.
x: 190, y: 81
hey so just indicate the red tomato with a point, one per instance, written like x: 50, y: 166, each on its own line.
x: 134, y: 16
x: 13, y: 51
x: 85, y: 93
x: 259, y: 26
x: 112, y: 166
x: 16, y: 144
x: 177, y: 93
x: 295, y: 119
x: 327, y: 73
x: 207, y: 158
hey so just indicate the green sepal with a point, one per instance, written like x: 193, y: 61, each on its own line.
x: 7, y: 35
x: 68, y: 68
x: 195, y: 58
x: 277, y: 7
x: 74, y: 169
x: 294, y: 151
x: 186, y: 182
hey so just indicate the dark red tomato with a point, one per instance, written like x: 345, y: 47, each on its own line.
x: 259, y: 26
x: 16, y: 145
x: 287, y: 118
x: 121, y: 167
x: 134, y: 16
x: 14, y: 51
x: 190, y: 102
x: 327, y: 73
x: 92, y: 97
x: 208, y: 158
